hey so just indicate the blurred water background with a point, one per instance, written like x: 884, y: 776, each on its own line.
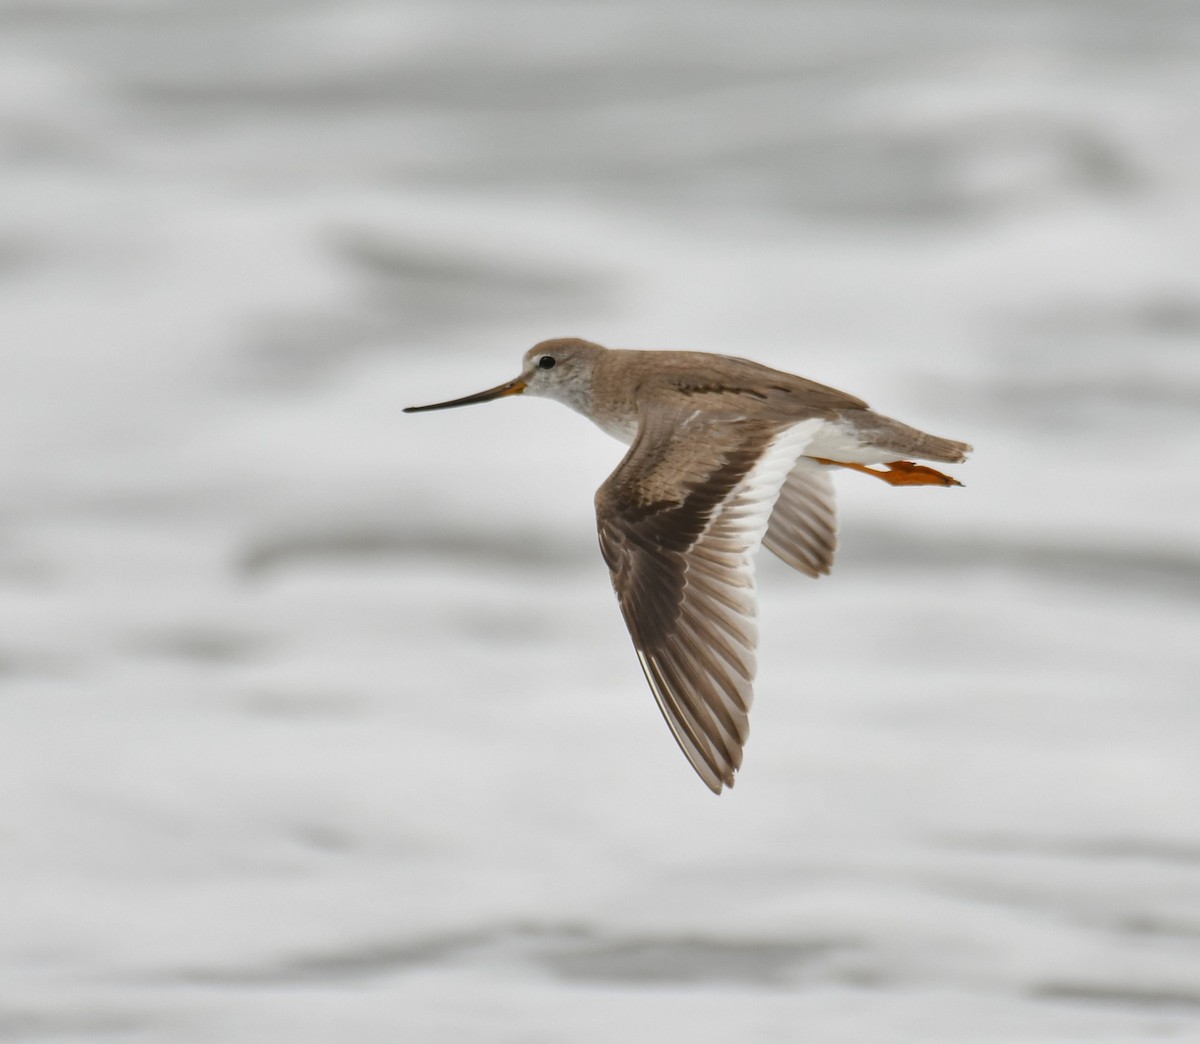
x: 319, y: 722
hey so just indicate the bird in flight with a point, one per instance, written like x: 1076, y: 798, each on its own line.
x: 724, y: 455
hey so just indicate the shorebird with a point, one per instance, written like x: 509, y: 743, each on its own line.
x: 725, y: 455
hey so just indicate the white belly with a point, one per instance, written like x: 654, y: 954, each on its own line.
x: 837, y: 440
x: 623, y: 430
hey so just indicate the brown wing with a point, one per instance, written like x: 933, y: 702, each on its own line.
x: 803, y: 526
x: 680, y: 520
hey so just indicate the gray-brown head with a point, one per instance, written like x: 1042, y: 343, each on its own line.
x: 560, y: 369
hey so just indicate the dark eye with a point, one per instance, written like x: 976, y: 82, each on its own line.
x: 546, y: 362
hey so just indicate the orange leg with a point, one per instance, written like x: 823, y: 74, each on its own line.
x: 899, y: 473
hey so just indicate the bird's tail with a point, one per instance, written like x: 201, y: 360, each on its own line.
x: 892, y: 435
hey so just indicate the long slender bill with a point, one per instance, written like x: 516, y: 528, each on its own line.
x: 514, y: 387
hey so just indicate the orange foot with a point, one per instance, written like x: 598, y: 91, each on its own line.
x: 900, y: 473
